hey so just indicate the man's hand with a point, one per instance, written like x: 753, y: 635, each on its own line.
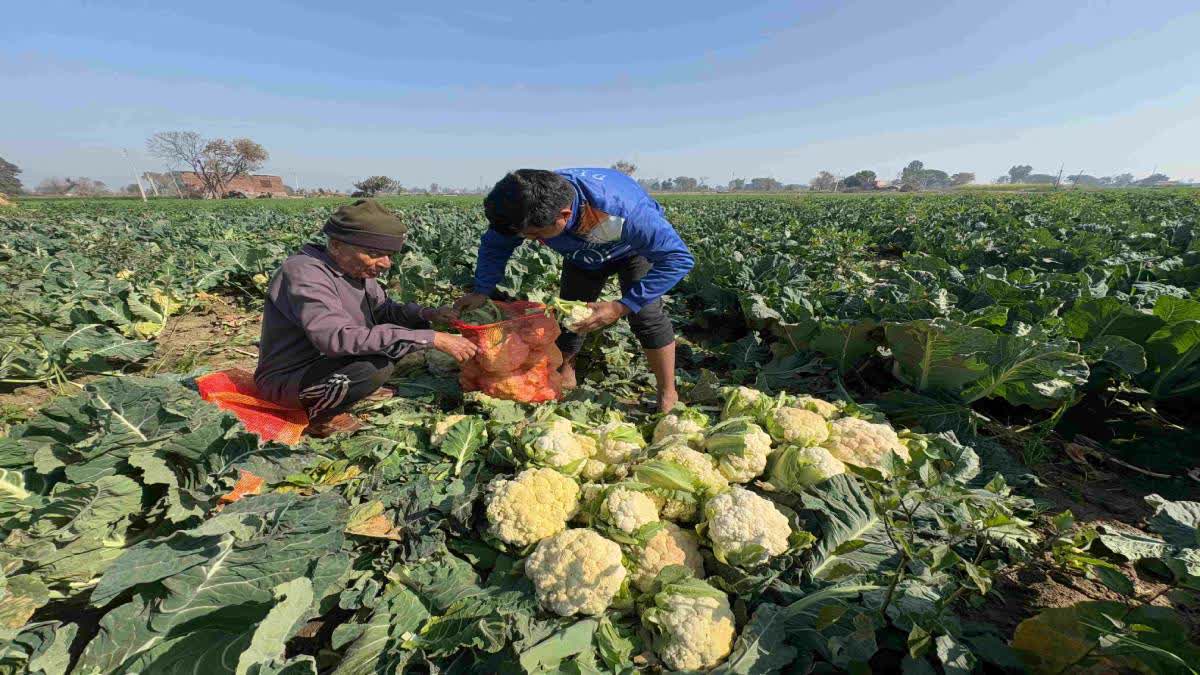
x: 441, y: 315
x: 470, y: 301
x: 455, y: 345
x: 603, y: 314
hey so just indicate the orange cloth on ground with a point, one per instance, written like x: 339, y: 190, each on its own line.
x: 234, y: 390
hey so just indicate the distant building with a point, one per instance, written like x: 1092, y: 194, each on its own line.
x: 250, y: 186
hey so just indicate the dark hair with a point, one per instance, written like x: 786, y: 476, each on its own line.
x: 526, y: 199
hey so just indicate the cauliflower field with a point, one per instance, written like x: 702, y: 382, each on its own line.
x: 853, y: 484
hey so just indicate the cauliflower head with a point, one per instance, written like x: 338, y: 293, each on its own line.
x: 744, y: 528
x: 862, y: 443
x: 680, y: 478
x: 556, y: 445
x: 576, y: 571
x: 797, y: 426
x: 672, y: 545
x: 747, y: 402
x: 741, y: 448
x: 796, y: 468
x: 627, y: 510
x: 618, y: 444
x: 823, y: 408
x: 691, y: 622
x: 531, y: 506
x: 686, y: 423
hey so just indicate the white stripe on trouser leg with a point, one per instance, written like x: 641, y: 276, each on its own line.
x: 328, y: 394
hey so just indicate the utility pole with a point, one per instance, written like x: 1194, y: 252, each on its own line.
x: 153, y: 185
x: 1058, y: 181
x: 178, y: 190
x: 136, y: 178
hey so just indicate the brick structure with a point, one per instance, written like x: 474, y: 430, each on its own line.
x: 251, y: 186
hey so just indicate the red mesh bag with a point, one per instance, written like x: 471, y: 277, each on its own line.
x: 517, y: 358
x: 234, y: 390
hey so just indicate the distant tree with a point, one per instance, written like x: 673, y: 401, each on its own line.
x: 76, y: 187
x: 131, y: 189
x: 1018, y: 173
x: 649, y: 184
x: 765, y: 185
x: 1001, y: 180
x: 686, y: 184
x: 916, y: 177
x: 374, y: 185
x: 9, y: 183
x: 1084, y: 180
x: 962, y: 178
x: 861, y: 180
x: 736, y: 184
x: 625, y: 167
x: 218, y: 162
x: 434, y: 188
x: 1153, y: 179
x: 1119, y: 180
x: 1039, y: 179
x: 823, y: 182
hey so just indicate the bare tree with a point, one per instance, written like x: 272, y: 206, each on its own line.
x: 823, y: 181
x: 962, y: 178
x: 217, y: 162
x: 625, y: 167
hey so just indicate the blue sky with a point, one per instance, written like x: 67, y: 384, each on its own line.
x: 459, y: 92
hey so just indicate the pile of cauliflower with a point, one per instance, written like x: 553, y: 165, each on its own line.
x: 608, y: 519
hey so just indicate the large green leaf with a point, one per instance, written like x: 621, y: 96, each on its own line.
x: 380, y: 646
x: 846, y: 342
x: 851, y: 537
x: 1092, y: 318
x: 215, y: 584
x: 1027, y: 371
x: 1174, y: 360
x: 939, y: 354
x: 1102, y: 636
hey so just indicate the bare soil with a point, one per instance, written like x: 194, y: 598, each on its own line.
x: 216, y: 336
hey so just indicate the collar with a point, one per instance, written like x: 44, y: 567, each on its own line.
x: 577, y: 204
x: 320, y: 253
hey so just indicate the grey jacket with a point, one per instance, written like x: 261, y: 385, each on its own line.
x: 315, y: 312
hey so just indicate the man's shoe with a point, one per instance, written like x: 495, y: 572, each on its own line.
x: 343, y: 423
x: 380, y: 394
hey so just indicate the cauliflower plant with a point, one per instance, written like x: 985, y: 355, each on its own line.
x: 691, y: 622
x: 684, y: 422
x: 571, y: 312
x: 795, y: 468
x: 672, y: 545
x: 747, y: 402
x: 797, y: 426
x: 628, y: 510
x: 556, y: 445
x: 531, y: 506
x: 744, y: 528
x: 576, y: 571
x: 862, y: 443
x: 823, y: 408
x: 741, y: 448
x: 442, y: 427
x: 618, y: 444
x: 681, y: 477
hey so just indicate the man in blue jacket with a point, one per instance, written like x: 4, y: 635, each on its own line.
x: 603, y: 223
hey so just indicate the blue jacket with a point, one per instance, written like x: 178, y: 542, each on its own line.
x: 613, y: 218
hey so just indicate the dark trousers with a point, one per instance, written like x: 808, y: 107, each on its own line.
x: 328, y: 387
x: 651, y: 325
